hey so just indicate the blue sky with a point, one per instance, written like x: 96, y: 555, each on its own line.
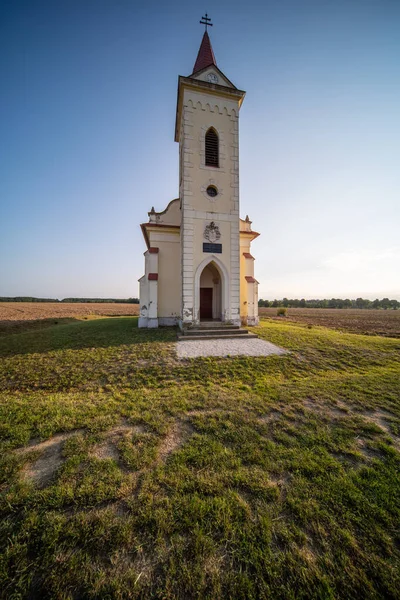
x: 87, y: 105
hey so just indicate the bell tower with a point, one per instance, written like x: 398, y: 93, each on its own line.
x: 207, y: 130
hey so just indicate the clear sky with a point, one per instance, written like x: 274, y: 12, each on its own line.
x: 87, y: 110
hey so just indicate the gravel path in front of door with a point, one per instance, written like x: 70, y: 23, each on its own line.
x: 229, y: 347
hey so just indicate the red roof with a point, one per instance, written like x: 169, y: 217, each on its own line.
x: 205, y: 57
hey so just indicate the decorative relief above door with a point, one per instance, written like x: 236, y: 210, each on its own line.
x: 212, y: 233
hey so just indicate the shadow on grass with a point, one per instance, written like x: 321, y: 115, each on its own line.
x: 12, y: 327
x: 76, y: 334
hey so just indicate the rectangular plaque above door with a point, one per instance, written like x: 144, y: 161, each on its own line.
x: 215, y: 248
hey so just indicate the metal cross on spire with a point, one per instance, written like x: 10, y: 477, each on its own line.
x: 206, y: 21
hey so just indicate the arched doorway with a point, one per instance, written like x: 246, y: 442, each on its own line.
x: 210, y: 293
x: 221, y: 300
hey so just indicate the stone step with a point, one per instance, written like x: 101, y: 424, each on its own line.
x: 216, y: 325
x: 214, y: 332
x: 221, y: 336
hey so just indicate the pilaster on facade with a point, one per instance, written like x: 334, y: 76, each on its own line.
x: 187, y: 137
x: 152, y: 319
x: 144, y: 301
x: 149, y: 290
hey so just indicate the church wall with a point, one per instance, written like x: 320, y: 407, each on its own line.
x: 173, y: 213
x: 169, y: 281
x: 169, y: 274
x: 170, y: 216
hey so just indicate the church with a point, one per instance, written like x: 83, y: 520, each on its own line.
x: 198, y: 263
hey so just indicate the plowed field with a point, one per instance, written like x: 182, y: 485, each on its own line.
x: 15, y: 316
x: 370, y: 322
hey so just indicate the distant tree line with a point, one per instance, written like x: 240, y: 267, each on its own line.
x: 99, y: 300
x: 385, y: 303
x: 27, y: 299
x: 76, y: 300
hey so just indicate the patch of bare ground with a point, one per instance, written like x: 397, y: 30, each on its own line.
x: 144, y: 565
x: 339, y: 409
x: 379, y: 417
x: 142, y: 363
x: 246, y: 500
x: 204, y: 412
x: 108, y: 447
x: 42, y: 470
x: 105, y: 451
x: 280, y: 480
x: 249, y: 500
x: 363, y: 447
x: 179, y: 433
x: 308, y: 553
x: 272, y: 416
x: 139, y: 564
x: 382, y: 418
x: 125, y: 429
x: 215, y: 563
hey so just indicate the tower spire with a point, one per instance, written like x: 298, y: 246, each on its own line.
x: 205, y: 57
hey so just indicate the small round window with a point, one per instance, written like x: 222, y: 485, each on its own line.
x: 212, y: 191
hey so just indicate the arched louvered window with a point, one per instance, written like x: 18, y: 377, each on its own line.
x: 212, y: 148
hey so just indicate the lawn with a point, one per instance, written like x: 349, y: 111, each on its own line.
x: 126, y: 473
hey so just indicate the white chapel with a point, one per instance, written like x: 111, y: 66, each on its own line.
x: 198, y: 262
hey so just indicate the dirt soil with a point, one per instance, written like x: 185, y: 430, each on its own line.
x: 18, y: 316
x: 370, y: 322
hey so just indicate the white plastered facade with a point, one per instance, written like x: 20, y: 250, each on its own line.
x: 198, y: 263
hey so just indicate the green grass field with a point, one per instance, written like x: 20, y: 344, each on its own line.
x: 126, y: 473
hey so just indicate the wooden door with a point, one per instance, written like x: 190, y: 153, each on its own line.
x: 206, y: 301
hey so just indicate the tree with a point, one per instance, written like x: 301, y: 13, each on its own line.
x: 360, y: 303
x: 263, y: 303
